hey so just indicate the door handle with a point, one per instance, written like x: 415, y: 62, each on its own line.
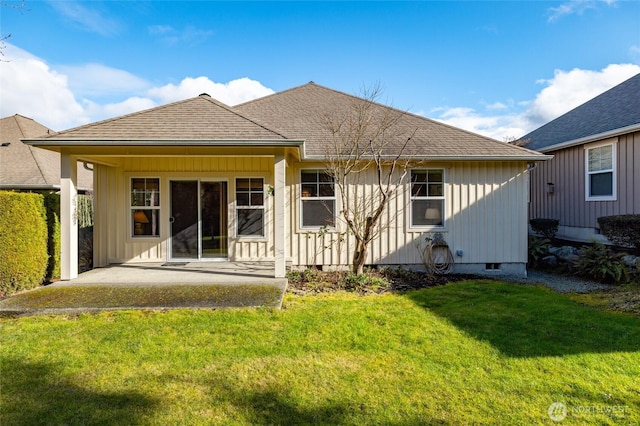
x: 172, y: 219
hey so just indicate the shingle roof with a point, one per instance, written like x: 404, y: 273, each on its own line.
x: 617, y: 108
x: 287, y: 117
x: 23, y: 166
x: 301, y: 113
x: 199, y: 118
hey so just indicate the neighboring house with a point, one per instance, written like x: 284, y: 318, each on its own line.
x: 595, y: 170
x: 28, y: 168
x: 199, y: 180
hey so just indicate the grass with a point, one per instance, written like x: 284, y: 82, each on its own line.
x: 472, y: 352
x: 624, y: 298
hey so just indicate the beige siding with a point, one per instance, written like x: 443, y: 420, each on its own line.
x: 114, y: 243
x: 567, y: 172
x: 486, y: 217
x: 485, y: 206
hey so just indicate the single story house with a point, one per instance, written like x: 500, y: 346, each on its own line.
x: 595, y: 170
x: 198, y: 180
x: 27, y: 168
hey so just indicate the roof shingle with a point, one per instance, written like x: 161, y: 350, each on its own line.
x: 617, y: 108
x: 27, y: 166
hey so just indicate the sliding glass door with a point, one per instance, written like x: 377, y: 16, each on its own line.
x: 198, y: 220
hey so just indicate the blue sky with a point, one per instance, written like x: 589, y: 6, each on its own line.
x: 499, y: 68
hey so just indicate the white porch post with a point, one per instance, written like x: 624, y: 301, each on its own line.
x: 68, y: 216
x: 280, y: 215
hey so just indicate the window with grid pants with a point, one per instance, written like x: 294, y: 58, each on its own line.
x: 427, y: 197
x: 145, y: 207
x: 318, y: 199
x: 250, y: 207
x: 600, y: 167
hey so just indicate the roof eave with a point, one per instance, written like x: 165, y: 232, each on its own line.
x: 537, y: 157
x: 163, y: 142
x: 592, y: 138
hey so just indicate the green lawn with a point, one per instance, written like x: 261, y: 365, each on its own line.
x: 474, y: 352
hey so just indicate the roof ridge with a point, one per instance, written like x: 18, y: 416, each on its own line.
x: 239, y: 114
x: 29, y: 147
x: 276, y: 93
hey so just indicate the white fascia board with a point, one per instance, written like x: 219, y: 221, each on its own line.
x: 167, y: 142
x: 538, y: 157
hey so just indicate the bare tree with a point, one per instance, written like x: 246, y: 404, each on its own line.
x: 512, y: 140
x: 365, y: 159
x: 3, y: 38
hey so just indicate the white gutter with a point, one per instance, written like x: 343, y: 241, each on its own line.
x: 539, y: 157
x: 165, y: 142
x: 592, y: 138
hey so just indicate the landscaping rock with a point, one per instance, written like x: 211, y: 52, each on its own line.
x: 565, y: 253
x: 631, y: 261
x: 549, y: 260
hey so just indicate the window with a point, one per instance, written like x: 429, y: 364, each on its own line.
x: 250, y: 207
x: 600, y: 176
x: 145, y: 207
x: 427, y: 197
x: 318, y: 199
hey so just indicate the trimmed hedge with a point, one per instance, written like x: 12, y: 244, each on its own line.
x: 23, y: 241
x: 52, y: 206
x: 621, y: 230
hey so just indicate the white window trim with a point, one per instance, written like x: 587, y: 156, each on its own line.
x: 130, y: 235
x: 587, y: 181
x: 263, y: 207
x: 443, y: 198
x: 304, y: 228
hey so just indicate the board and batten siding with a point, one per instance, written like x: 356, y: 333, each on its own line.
x: 485, y: 213
x: 113, y: 241
x: 485, y: 217
x: 566, y: 171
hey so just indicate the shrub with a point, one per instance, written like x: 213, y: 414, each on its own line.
x: 358, y: 282
x: 601, y: 263
x: 548, y: 228
x: 23, y: 241
x: 52, y: 207
x: 538, y: 248
x: 621, y: 230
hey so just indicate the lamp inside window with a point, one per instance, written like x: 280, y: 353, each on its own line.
x: 139, y: 218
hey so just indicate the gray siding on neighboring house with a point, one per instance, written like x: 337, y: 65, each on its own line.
x: 567, y: 172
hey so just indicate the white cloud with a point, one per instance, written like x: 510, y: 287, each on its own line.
x: 88, y: 19
x: 31, y: 88
x: 116, y: 109
x: 97, y: 79
x: 70, y: 95
x: 565, y: 91
x: 171, y: 36
x: 575, y: 7
x: 231, y: 93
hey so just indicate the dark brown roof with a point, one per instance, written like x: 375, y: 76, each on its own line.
x: 28, y: 167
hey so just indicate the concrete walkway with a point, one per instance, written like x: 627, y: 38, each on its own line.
x: 154, y: 286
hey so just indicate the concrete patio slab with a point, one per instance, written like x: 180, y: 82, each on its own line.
x: 208, y: 273
x: 154, y: 286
